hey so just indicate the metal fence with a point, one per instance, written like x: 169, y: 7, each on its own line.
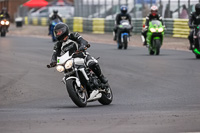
x: 136, y: 8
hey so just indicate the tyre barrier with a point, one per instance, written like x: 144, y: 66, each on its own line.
x: 174, y: 27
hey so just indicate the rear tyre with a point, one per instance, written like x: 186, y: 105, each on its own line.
x: 107, y: 96
x: 125, y: 38
x: 78, y: 97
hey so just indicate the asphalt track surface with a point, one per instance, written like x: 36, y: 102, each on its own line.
x: 152, y: 94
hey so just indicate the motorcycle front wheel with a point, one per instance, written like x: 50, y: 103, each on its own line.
x: 107, y: 96
x: 157, y: 46
x: 78, y: 97
x: 125, y: 38
x: 3, y: 33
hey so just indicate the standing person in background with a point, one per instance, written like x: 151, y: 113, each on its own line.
x: 184, y: 13
x: 168, y: 13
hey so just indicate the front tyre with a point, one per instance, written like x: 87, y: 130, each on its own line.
x: 107, y: 96
x: 157, y: 46
x: 125, y: 38
x: 77, y: 96
x: 3, y: 33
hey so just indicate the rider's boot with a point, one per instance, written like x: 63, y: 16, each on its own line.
x: 96, y: 69
x: 191, y: 45
x: 115, y: 36
x: 190, y: 48
x: 49, y: 30
x: 145, y: 43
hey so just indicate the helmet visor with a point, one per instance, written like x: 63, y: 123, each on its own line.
x: 60, y: 31
x: 198, y: 10
x: 154, y: 13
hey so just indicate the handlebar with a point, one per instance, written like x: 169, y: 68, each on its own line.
x: 88, y: 45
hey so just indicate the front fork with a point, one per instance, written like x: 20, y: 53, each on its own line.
x: 76, y: 77
x: 122, y: 37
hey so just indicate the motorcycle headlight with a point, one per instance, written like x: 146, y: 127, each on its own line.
x: 160, y: 30
x: 53, y: 23
x: 153, y: 30
x: 68, y: 64
x: 7, y: 22
x: 60, y: 68
x: 2, y: 22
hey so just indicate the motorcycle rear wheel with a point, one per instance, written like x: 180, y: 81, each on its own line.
x: 79, y: 98
x: 107, y: 96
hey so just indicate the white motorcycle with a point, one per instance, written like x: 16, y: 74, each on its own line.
x: 80, y: 81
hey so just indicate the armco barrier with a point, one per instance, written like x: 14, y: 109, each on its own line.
x: 174, y: 27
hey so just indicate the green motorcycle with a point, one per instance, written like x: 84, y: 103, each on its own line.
x: 154, y: 38
x: 196, y: 38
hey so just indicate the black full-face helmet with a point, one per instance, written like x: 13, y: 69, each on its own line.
x: 197, y: 8
x: 61, y: 31
x: 55, y: 12
x: 4, y: 10
x: 124, y: 9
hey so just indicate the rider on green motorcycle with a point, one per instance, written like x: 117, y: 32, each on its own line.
x: 194, y: 20
x: 153, y: 15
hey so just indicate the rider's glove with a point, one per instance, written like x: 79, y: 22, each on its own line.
x: 82, y: 48
x: 191, y: 26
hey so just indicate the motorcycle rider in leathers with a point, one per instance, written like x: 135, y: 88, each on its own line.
x: 4, y: 15
x: 194, y: 20
x: 73, y: 42
x: 152, y: 16
x: 121, y: 16
x: 53, y: 16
